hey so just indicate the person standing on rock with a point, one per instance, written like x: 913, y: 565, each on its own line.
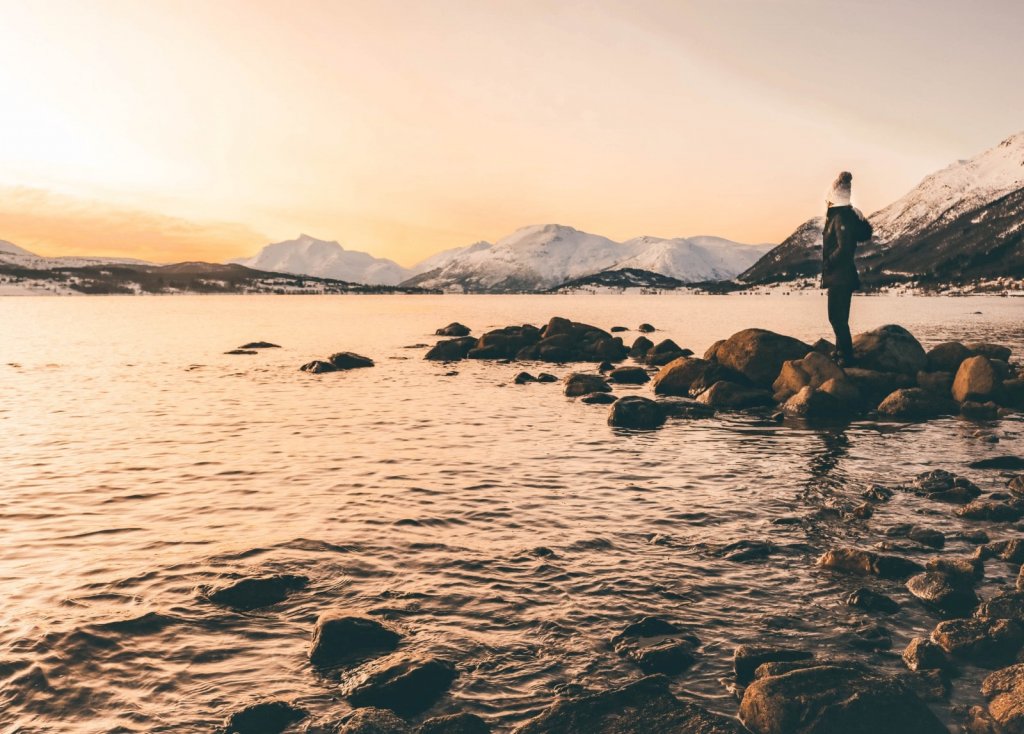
x: 845, y: 227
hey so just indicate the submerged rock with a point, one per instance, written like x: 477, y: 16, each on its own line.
x: 260, y: 345
x: 453, y: 329
x: 255, y: 593
x: 645, y: 706
x: 634, y: 411
x: 657, y: 646
x: 913, y: 403
x: 834, y: 699
x: 454, y: 724
x: 645, y: 328
x: 240, y: 351
x: 942, y: 592
x: 579, y: 383
x: 349, y: 361
x: 266, y: 717
x: 1006, y: 463
x: 598, y: 398
x: 759, y: 355
x: 867, y: 563
x: 889, y: 348
x: 746, y: 659
x: 451, y: 350
x: 546, y: 377
x: 872, y: 601
x: 926, y: 536
x: 406, y: 685
x: 340, y: 638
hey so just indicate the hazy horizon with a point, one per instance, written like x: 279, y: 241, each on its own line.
x: 170, y: 132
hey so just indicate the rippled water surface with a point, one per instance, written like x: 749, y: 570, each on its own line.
x: 140, y: 463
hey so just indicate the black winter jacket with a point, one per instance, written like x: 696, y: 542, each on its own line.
x: 844, y: 228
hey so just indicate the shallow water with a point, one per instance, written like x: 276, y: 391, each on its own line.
x: 139, y: 464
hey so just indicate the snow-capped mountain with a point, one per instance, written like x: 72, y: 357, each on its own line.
x: 445, y: 257
x: 320, y: 258
x: 964, y: 221
x: 9, y: 248
x: 13, y: 256
x: 540, y: 257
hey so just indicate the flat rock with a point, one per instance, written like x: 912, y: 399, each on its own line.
x: 265, y: 717
x: 942, y: 592
x: 318, y: 366
x: 746, y: 659
x: 986, y: 642
x: 241, y: 351
x: 645, y: 706
x: 339, y: 638
x: 255, y: 593
x: 260, y: 345
x: 926, y: 536
x: 406, y: 685
x: 867, y: 563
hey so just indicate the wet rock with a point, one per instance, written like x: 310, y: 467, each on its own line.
x: 946, y: 357
x: 747, y: 658
x: 605, y: 367
x: 937, y: 383
x: 929, y: 685
x: 814, y: 404
x: 944, y: 486
x: 992, y: 510
x: 664, y: 352
x: 462, y: 723
x: 759, y: 354
x: 872, y: 601
x: 373, y: 721
x: 599, y: 398
x: 266, y: 717
x: 686, y: 409
x: 834, y: 699
x: 874, y: 386
x: 974, y: 536
x: 926, y: 536
x: 1008, y: 550
x: 866, y: 563
x: 923, y: 654
x: 668, y: 657
x: 349, y: 361
x: 979, y: 411
x: 1004, y: 691
x: 255, y: 593
x: 630, y: 375
x: 406, y: 685
x: 634, y: 411
x: 890, y: 348
x: 453, y: 329
x: 524, y: 377
x: 913, y: 403
x: 317, y: 367
x: 745, y: 550
x: 942, y: 592
x: 863, y: 511
x: 617, y: 329
x: 731, y: 395
x: 813, y: 370
x: 640, y: 348
x: 844, y: 391
x: 975, y: 380
x: 339, y: 638
x: 546, y: 377
x: 505, y: 343
x: 1013, y: 393
x: 985, y: 642
x: 451, y: 350
x: 260, y: 345
x: 676, y: 377
x: 579, y: 383
x: 1016, y: 484
x: 1005, y: 605
x: 877, y: 493
x: 1005, y: 463
x: 645, y: 328
x: 645, y: 706
x: 867, y: 637
x: 241, y: 351
x: 991, y: 351
x: 567, y: 341
x: 647, y: 627
x: 964, y: 571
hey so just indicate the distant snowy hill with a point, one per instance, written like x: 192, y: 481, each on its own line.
x: 543, y: 256
x: 962, y: 222
x: 9, y: 248
x: 320, y: 258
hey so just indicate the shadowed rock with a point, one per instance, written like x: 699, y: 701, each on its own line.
x: 813, y: 370
x: 579, y: 383
x: 349, y: 361
x: 260, y: 345
x: 373, y: 721
x: 453, y: 329
x: 946, y: 357
x: 636, y: 412
x: 629, y: 375
x: 914, y: 403
x: 889, y: 348
x: 922, y: 654
x: 993, y: 510
x: 254, y: 593
x: 266, y: 717
x: 462, y: 723
x: 241, y: 351
x: 451, y: 350
x: 746, y: 659
x: 759, y: 354
x: 676, y: 377
x: 724, y: 394
x: 339, y: 638
x: 872, y: 601
x: 1006, y: 605
x: 599, y: 398
x: 1004, y: 691
x: 815, y: 405
x: 640, y: 348
x: 985, y: 642
x: 406, y: 685
x: 942, y: 592
x: 944, y: 486
x: 865, y: 563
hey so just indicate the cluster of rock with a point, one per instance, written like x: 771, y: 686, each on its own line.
x: 337, y: 363
x: 561, y: 340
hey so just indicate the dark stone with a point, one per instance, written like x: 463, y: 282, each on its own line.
x: 260, y: 345
x: 617, y: 329
x: 342, y: 638
x: 872, y: 601
x: 451, y: 350
x: 745, y: 550
x: 636, y: 412
x: 645, y: 706
x: 240, y: 351
x: 889, y: 348
x: 990, y: 351
x: 546, y: 377
x: 647, y: 627
x: 640, y: 347
x: 1005, y: 605
x: 605, y: 367
x: 645, y: 328
x: 929, y: 685
x: 942, y: 592
x: 725, y: 394
x: 317, y: 367
x: 630, y: 375
x: 834, y: 699
x: 598, y: 398
x: 349, y: 361
x: 255, y: 593
x: 747, y: 658
x: 877, y: 493
x: 579, y: 383
x: 985, y: 642
x: 868, y: 637
x: 867, y: 563
x: 669, y: 657
x: 874, y: 386
x: 453, y: 329
x: 979, y: 411
x: 406, y: 685
x: 266, y: 717
x: 944, y: 486
x: 1016, y: 484
x: 927, y: 536
x: 913, y: 403
x: 1005, y: 463
x: 462, y: 723
x: 814, y: 404
x: 992, y: 510
x: 759, y: 354
x: 922, y: 654
x: 964, y: 571
x: 946, y: 357
x: 937, y: 383
x: 524, y: 377
x: 373, y: 721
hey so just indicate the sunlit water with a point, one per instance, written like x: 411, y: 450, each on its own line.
x: 140, y: 463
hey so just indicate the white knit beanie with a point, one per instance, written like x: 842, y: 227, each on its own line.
x: 839, y: 194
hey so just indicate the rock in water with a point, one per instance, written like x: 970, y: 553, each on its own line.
x: 645, y: 328
x: 813, y: 405
x: 993, y: 510
x: 944, y: 486
x: 947, y: 357
x: 676, y: 377
x: 986, y: 642
x: 341, y: 638
x: 759, y: 354
x: 372, y: 721
x: 453, y: 329
x: 640, y: 347
x: 318, y: 366
x: 657, y: 646
x: 260, y: 345
x: 1006, y: 605
x: 1007, y: 463
x: 915, y: 403
x: 922, y: 654
x: 724, y: 394
x: 406, y: 685
x: 645, y: 706
x: 746, y: 659
x: 814, y: 370
x: 889, y: 348
x: 455, y: 724
x: 865, y: 563
x: 255, y: 593
x: 1004, y: 691
x: 349, y: 361
x: 629, y: 375
x: 579, y: 383
x: 832, y: 699
x: 941, y: 591
x: 975, y: 380
x: 523, y: 377
x: 872, y: 601
x: 451, y: 350
x: 634, y: 411
x: 598, y: 398
x: 241, y: 351
x: 266, y: 717
x: 992, y: 351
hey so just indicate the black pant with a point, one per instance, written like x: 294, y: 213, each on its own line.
x: 839, y: 316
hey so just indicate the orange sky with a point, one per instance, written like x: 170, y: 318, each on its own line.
x: 187, y: 130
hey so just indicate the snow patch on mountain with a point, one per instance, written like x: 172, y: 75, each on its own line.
x: 692, y: 259
x: 325, y: 259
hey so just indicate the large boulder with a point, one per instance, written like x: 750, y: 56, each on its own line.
x: 1004, y: 691
x: 758, y: 354
x: 340, y: 638
x: 946, y: 357
x: 451, y: 350
x: 725, y: 394
x: 664, y: 352
x: 942, y: 592
x: 255, y: 593
x: 505, y: 343
x: 890, y: 348
x: 814, y: 404
x: 406, y: 685
x: 629, y: 375
x: 636, y: 412
x: 835, y: 699
x: 868, y: 563
x: 913, y: 403
x: 676, y: 377
x: 580, y: 383
x: 646, y: 706
x: 986, y: 642
x: 975, y: 380
x: 640, y: 347
x: 814, y: 370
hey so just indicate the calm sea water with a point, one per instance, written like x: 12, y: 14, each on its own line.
x: 140, y: 463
